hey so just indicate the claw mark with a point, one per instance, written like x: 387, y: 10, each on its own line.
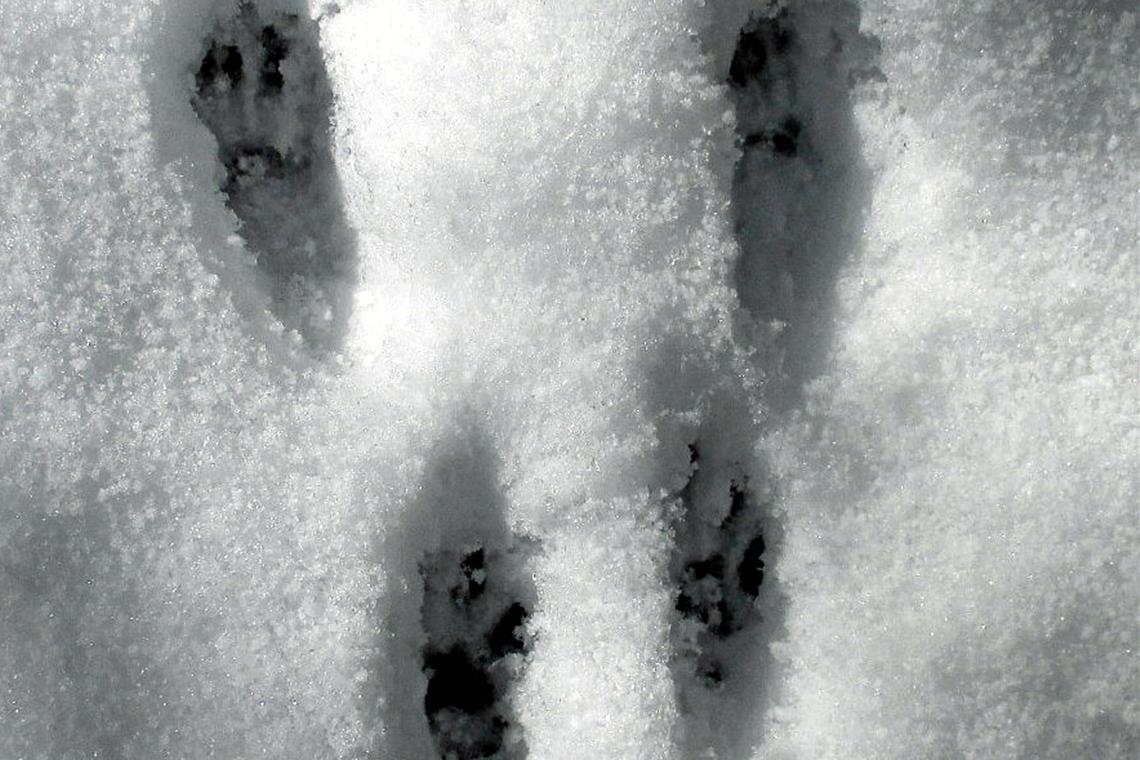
x: 220, y: 69
x: 507, y: 635
x: 274, y: 49
x: 755, y: 47
x: 750, y: 571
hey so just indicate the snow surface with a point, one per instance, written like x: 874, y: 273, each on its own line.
x: 549, y: 284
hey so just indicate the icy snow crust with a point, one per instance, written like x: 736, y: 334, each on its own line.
x: 600, y: 317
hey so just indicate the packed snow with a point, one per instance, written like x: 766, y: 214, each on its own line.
x: 655, y: 379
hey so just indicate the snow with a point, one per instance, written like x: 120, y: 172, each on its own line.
x: 961, y: 507
x: 516, y: 329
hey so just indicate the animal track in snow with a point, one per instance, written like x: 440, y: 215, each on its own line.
x: 262, y: 90
x: 794, y: 200
x: 724, y: 612
x: 474, y: 612
x: 718, y: 569
x: 800, y: 175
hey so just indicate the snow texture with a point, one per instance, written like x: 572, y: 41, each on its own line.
x: 654, y: 379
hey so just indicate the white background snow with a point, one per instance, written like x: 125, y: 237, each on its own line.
x: 213, y: 532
